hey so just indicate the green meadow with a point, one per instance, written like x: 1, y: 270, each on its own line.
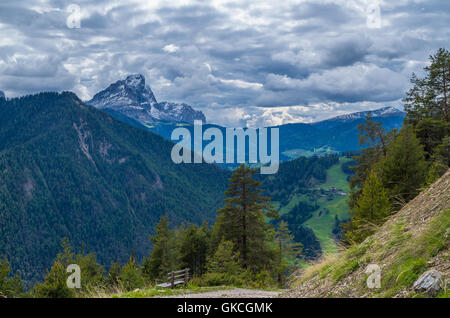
x: 322, y: 222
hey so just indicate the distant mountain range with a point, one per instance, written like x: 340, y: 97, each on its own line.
x: 2, y: 95
x: 132, y: 101
x: 333, y: 135
x: 336, y: 134
x: 133, y: 98
x: 384, y: 112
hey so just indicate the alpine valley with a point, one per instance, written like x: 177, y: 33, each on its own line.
x: 100, y: 174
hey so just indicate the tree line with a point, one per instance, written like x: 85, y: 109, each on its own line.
x: 393, y: 167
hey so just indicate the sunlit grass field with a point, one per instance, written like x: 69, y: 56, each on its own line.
x: 322, y: 223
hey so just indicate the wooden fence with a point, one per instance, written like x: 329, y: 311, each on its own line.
x: 176, y: 278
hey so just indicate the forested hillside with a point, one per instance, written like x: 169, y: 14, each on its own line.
x: 69, y: 170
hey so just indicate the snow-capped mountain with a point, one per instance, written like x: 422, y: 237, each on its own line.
x: 133, y: 98
x: 385, y: 115
x: 177, y: 112
x: 382, y: 112
x: 2, y: 95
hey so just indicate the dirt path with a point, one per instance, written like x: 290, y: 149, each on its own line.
x: 231, y: 293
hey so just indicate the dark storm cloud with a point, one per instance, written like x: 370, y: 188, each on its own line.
x: 241, y: 62
x: 345, y: 52
x: 323, y: 13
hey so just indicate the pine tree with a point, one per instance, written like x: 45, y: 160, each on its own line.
x: 194, y: 246
x: 224, y: 260
x: 113, y: 278
x: 374, y: 141
x: 370, y: 210
x: 431, y: 133
x: 55, y: 282
x: 404, y: 170
x: 131, y: 276
x: 243, y: 219
x: 429, y: 96
x: 440, y: 161
x: 92, y: 272
x: 427, y: 103
x: 164, y: 257
x: 288, y: 250
x: 9, y: 286
x: 223, y: 267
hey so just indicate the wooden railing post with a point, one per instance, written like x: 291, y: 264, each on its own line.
x: 186, y: 276
x: 172, y: 281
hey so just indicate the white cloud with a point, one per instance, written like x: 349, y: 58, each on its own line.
x: 241, y: 62
x: 170, y: 48
x: 238, y: 83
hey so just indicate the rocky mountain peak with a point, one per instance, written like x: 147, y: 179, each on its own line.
x: 135, y: 80
x: 133, y: 98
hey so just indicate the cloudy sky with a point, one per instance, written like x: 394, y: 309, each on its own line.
x: 242, y: 62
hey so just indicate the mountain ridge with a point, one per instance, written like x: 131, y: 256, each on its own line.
x: 379, y: 112
x: 306, y: 139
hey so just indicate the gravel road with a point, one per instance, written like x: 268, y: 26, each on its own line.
x: 231, y: 293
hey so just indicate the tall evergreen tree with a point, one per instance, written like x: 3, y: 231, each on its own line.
x: 427, y: 103
x: 288, y: 250
x: 374, y: 141
x: 164, y: 257
x: 404, y: 169
x: 194, y: 246
x: 370, y: 210
x: 428, y: 98
x: 243, y: 219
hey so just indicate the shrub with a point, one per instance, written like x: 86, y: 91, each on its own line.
x: 131, y: 276
x: 9, y: 287
x: 221, y: 279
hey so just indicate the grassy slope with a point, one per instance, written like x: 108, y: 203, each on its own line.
x: 292, y: 203
x: 336, y: 177
x: 322, y: 225
x: 412, y: 241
